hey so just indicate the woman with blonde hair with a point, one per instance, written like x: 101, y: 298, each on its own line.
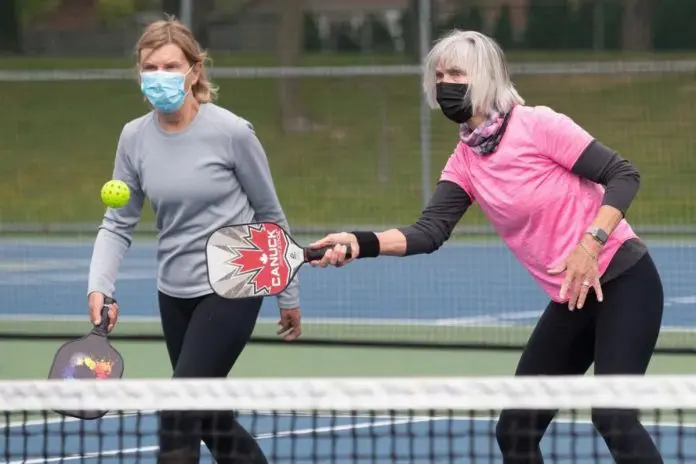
x: 557, y: 197
x: 201, y: 167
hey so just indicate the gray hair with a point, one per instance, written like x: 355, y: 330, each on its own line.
x: 483, y: 61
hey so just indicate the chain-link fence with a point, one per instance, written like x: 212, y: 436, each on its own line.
x: 361, y: 138
x: 355, y: 147
x: 356, y: 116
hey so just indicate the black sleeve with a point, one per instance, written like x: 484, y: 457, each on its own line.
x: 620, y: 178
x: 447, y: 206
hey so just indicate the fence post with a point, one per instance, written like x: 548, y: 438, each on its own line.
x: 186, y: 13
x: 425, y: 39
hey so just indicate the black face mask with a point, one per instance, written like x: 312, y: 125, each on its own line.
x: 450, y: 97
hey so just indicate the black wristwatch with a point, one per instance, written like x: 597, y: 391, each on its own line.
x: 598, y: 234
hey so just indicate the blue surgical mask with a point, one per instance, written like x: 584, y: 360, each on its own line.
x: 164, y: 89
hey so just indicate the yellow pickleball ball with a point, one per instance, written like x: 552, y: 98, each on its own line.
x: 115, y: 194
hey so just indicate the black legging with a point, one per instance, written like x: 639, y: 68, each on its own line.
x: 204, y: 338
x: 619, y: 335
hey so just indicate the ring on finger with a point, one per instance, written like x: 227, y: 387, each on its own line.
x: 586, y: 283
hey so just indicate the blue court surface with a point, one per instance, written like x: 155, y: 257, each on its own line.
x: 472, y: 284
x: 325, y: 439
x: 461, y: 284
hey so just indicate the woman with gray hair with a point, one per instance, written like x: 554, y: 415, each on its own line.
x: 557, y: 197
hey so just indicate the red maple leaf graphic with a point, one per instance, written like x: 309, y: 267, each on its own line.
x: 264, y: 259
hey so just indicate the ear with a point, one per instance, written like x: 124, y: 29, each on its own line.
x: 196, y: 73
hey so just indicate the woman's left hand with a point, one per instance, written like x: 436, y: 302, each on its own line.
x: 581, y: 274
x: 290, y: 324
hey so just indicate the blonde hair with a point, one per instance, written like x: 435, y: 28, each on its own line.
x: 171, y: 31
x: 491, y: 88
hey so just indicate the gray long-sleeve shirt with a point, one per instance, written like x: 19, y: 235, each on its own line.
x: 213, y: 173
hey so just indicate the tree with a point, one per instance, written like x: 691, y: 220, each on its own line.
x: 636, y: 30
x: 289, y: 49
x: 312, y: 37
x: 10, y: 27
x: 410, y: 25
x: 116, y: 8
x: 581, y: 26
x: 201, y: 8
x: 14, y: 13
x: 171, y: 7
x: 465, y: 18
x: 673, y: 25
x: 29, y: 9
x: 612, y: 16
x: 503, y: 29
x: 346, y: 39
x: 380, y: 37
x: 548, y: 24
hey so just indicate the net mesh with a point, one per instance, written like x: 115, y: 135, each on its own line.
x: 344, y: 420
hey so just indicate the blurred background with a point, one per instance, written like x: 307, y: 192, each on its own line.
x: 333, y: 89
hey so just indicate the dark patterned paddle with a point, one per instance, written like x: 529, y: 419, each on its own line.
x: 90, y: 357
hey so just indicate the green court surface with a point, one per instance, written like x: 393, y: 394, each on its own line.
x: 357, y: 330
x: 32, y: 359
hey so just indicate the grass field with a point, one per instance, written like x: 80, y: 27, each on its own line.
x: 360, y: 164
x: 321, y: 59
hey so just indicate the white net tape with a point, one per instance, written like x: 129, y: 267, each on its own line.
x: 354, y: 394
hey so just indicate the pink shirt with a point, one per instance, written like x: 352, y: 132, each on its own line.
x: 526, y: 188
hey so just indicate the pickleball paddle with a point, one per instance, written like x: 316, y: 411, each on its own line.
x: 90, y: 357
x: 257, y: 259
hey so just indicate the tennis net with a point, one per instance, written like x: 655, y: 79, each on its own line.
x: 390, y: 420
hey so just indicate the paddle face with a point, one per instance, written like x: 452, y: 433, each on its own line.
x: 252, y: 260
x: 90, y: 357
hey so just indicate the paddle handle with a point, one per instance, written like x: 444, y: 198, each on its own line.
x: 315, y: 254
x: 102, y: 328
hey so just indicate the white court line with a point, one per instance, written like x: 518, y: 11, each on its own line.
x: 263, y: 320
x: 70, y: 318
x: 501, y: 320
x: 338, y: 414
x: 41, y: 265
x: 681, y: 300
x: 63, y: 277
